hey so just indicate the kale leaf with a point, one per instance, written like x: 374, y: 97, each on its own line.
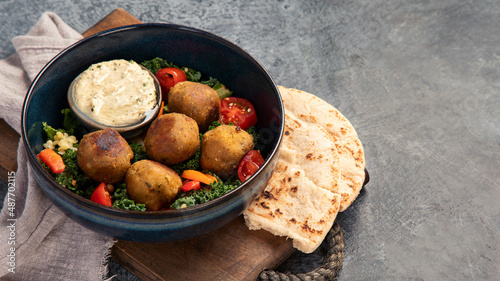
x: 156, y: 64
x: 215, y: 190
x: 221, y: 90
x: 49, y: 131
x: 252, y: 131
x: 139, y: 152
x: 71, y: 124
x: 73, y: 177
x: 192, y: 163
x: 122, y: 201
x: 192, y: 75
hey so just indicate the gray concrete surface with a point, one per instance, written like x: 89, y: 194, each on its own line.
x: 419, y: 80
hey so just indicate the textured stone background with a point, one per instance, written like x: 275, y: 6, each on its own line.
x: 419, y: 80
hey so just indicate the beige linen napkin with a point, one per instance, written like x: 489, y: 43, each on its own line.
x: 37, y: 241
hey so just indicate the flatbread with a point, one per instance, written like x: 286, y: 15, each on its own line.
x: 298, y: 201
x: 309, y: 108
x: 306, y: 213
x: 320, y: 172
x: 311, y: 148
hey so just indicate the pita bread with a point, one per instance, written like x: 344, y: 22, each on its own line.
x: 309, y: 108
x: 313, y: 149
x: 320, y: 172
x: 298, y: 201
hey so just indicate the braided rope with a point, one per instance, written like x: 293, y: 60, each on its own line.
x: 327, y: 271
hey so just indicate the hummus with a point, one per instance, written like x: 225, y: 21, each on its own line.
x: 115, y: 93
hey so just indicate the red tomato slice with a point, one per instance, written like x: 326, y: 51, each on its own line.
x: 249, y: 164
x: 238, y: 111
x: 101, y: 195
x: 168, y: 77
x: 191, y: 185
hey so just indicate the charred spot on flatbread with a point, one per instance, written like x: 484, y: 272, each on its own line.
x: 305, y: 227
x: 268, y: 195
x: 278, y: 212
x: 264, y: 205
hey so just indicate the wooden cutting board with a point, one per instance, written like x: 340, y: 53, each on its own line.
x: 232, y: 252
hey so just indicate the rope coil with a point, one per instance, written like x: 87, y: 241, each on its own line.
x: 327, y: 271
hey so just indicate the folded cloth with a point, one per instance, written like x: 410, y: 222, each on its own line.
x: 39, y: 241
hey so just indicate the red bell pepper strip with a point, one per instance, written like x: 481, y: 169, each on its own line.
x: 191, y: 185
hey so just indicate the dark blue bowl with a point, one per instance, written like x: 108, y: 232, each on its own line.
x: 184, y: 46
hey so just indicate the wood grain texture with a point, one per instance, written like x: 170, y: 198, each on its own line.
x: 9, y: 140
x: 117, y: 18
x: 230, y: 253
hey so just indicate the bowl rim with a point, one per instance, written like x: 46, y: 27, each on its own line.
x: 151, y: 215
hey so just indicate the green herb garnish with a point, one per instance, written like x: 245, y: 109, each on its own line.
x: 139, y: 152
x: 215, y: 190
x: 122, y: 201
x: 192, y: 75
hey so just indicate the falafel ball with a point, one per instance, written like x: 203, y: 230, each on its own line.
x: 104, y: 156
x: 152, y: 184
x: 223, y: 148
x: 172, y: 138
x: 197, y: 101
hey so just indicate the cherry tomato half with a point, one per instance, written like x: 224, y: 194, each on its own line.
x: 101, y: 195
x: 238, y: 111
x: 249, y: 164
x: 168, y: 77
x: 190, y: 185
